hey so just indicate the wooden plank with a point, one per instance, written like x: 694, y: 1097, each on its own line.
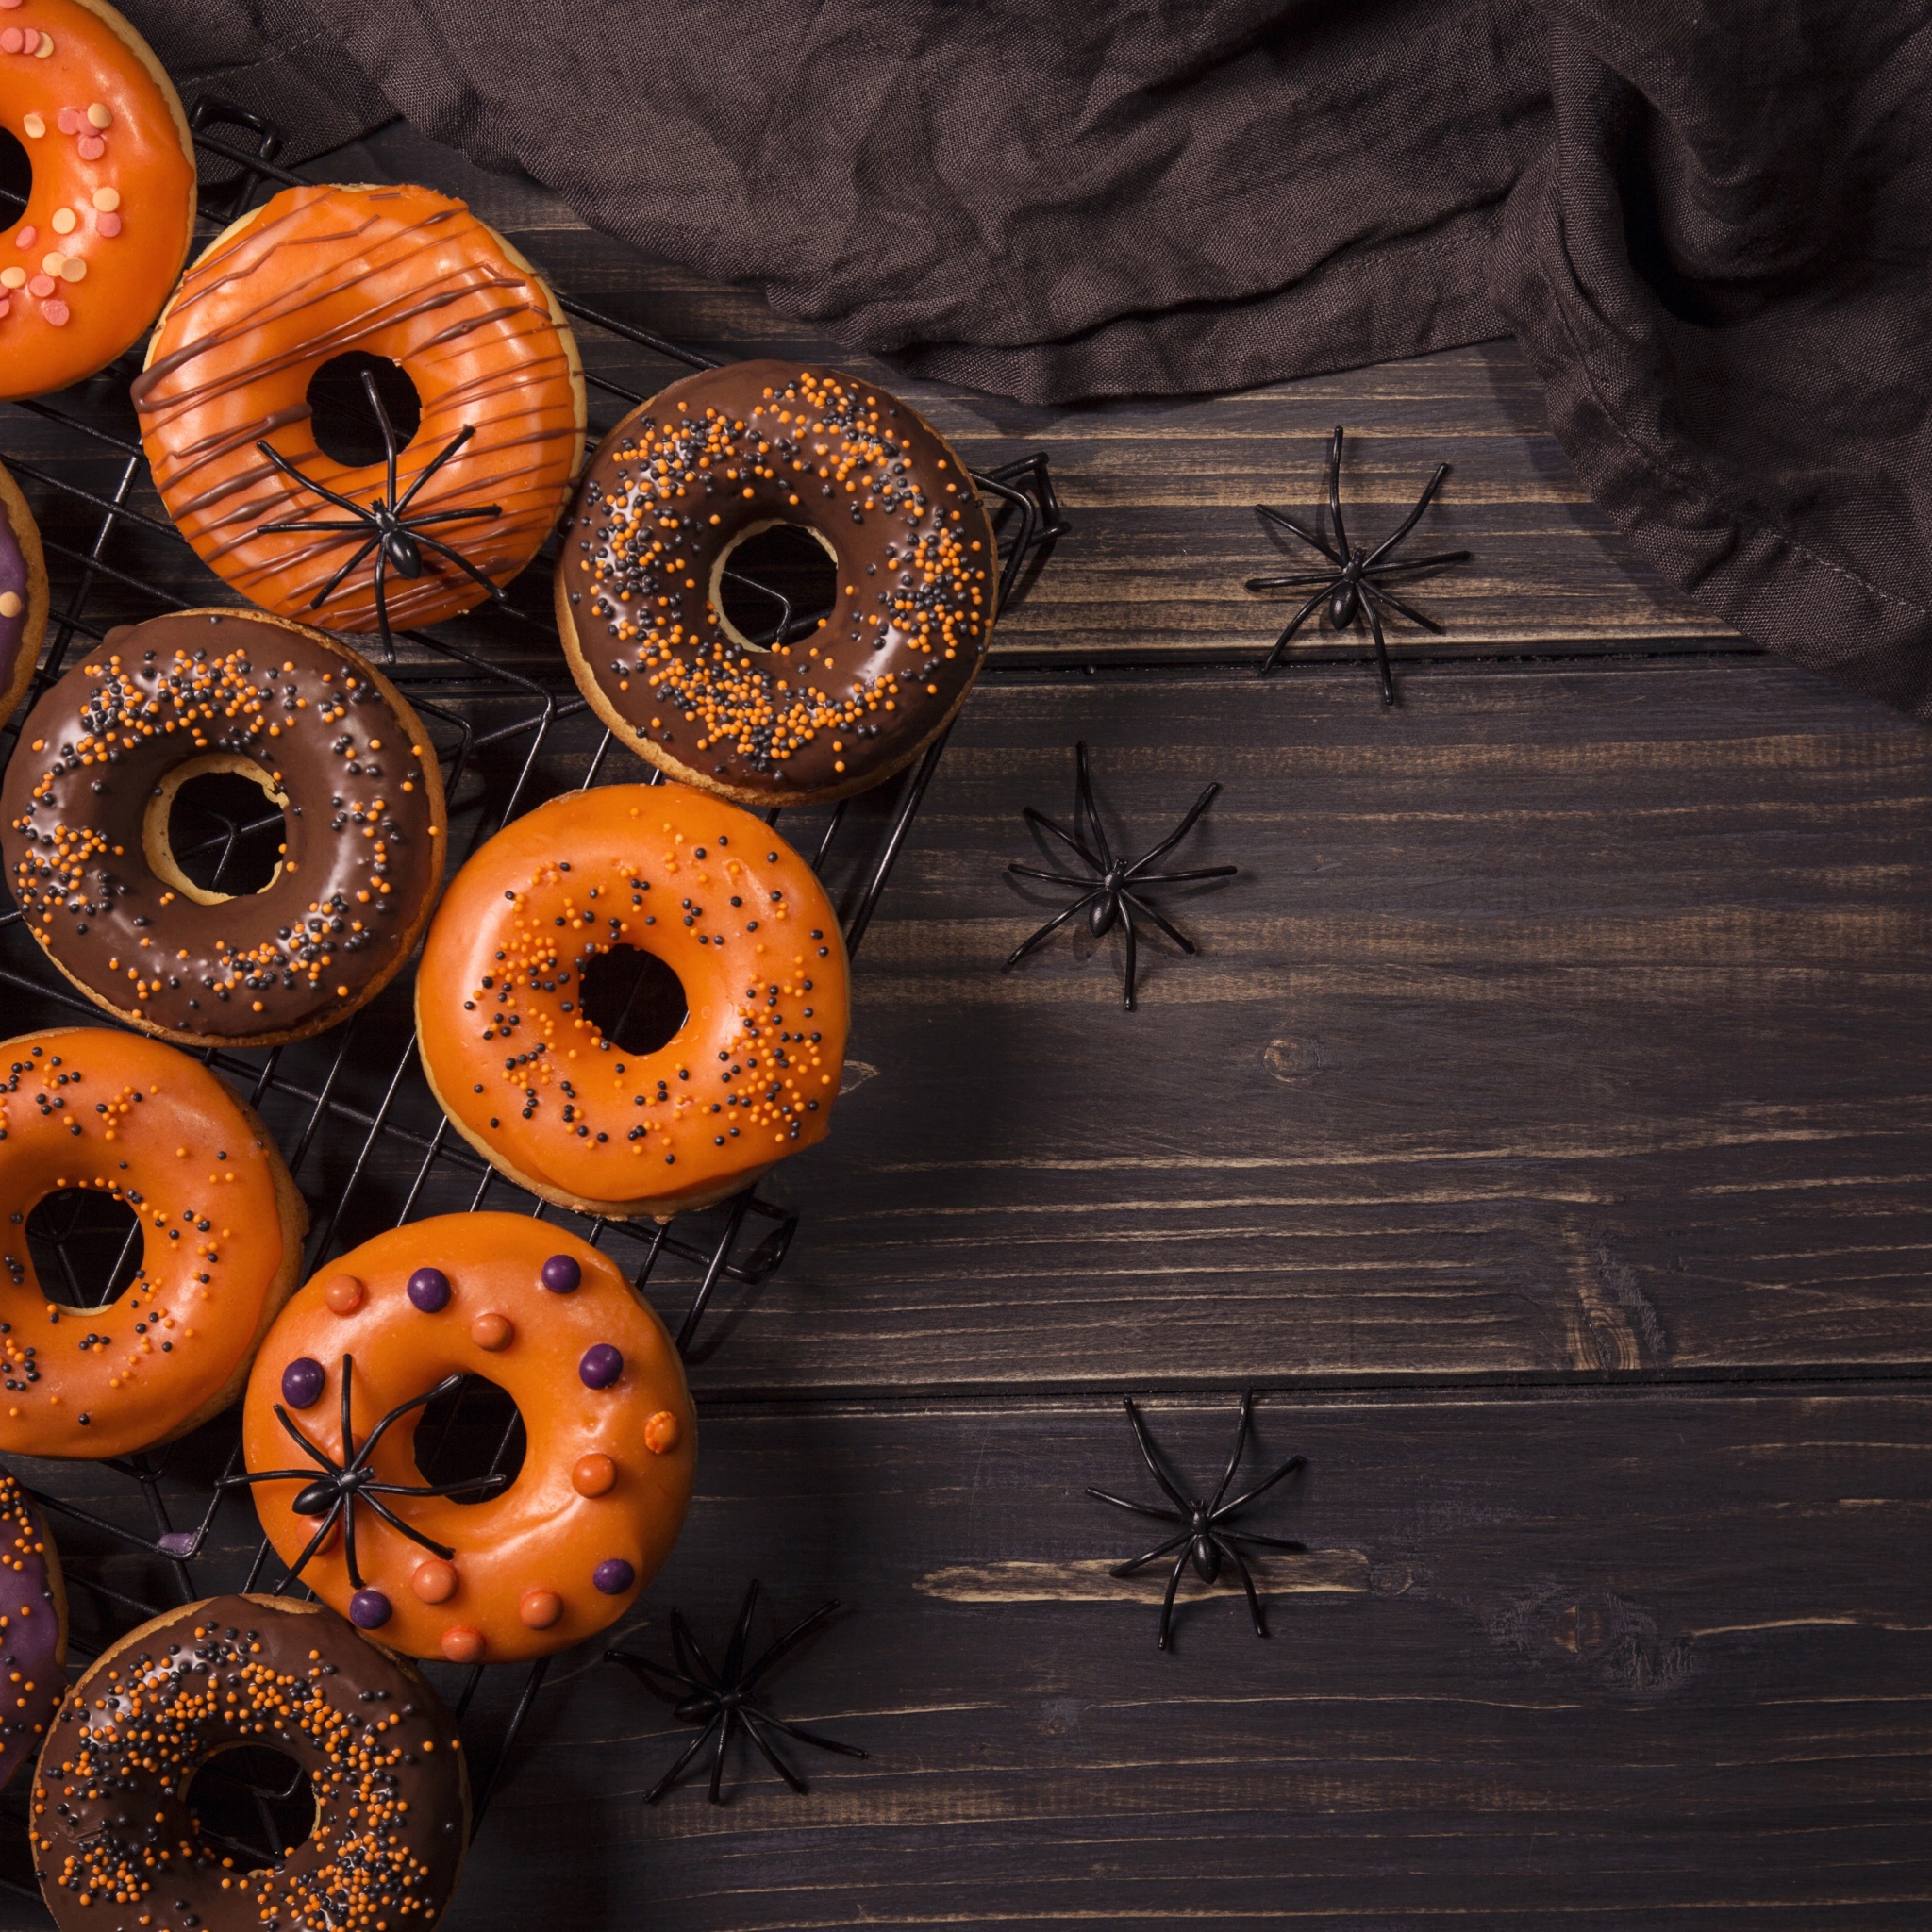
x: 1627, y: 1660
x: 1567, y: 1022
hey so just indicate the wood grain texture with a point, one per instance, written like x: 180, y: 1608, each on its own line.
x: 1621, y: 1659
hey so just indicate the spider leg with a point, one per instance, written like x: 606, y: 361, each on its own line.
x: 730, y: 1717
x: 1411, y: 520
x: 805, y: 1735
x: 1382, y: 669
x: 388, y: 434
x: 1294, y: 624
x: 1154, y: 1468
x: 1046, y: 931
x: 1184, y: 879
x: 1179, y: 832
x: 770, y: 1757
x: 1335, y: 492
x: 734, y: 1655
x: 379, y: 585
x: 1133, y: 1563
x: 1307, y: 536
x: 316, y: 1542
x: 303, y: 1443
x: 689, y: 1652
x: 1395, y: 603
x: 1138, y: 1509
x: 787, y: 1644
x: 396, y: 1522
x: 462, y: 563
x: 315, y: 489
x: 1166, y: 924
x: 268, y: 1476
x: 329, y: 589
x: 1267, y: 1543
x: 339, y: 523
x: 1261, y: 1488
x: 349, y: 1457
x: 1174, y: 1583
x: 430, y: 468
x: 349, y: 1543
x: 1234, y: 1557
x: 1054, y: 878
x: 1034, y: 817
x: 451, y: 516
x: 1441, y: 556
x: 644, y: 1670
x: 400, y: 1411
x: 473, y: 1482
x: 690, y: 1752
x: 1126, y: 905
x: 1293, y: 583
x: 1083, y: 800
x: 1241, y: 1443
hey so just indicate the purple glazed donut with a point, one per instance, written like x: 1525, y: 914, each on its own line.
x: 33, y: 1630
x: 22, y: 595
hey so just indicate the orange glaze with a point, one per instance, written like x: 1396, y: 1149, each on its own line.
x: 220, y: 1230
x: 607, y: 1474
x: 531, y: 1083
x: 88, y: 264
x: 400, y: 272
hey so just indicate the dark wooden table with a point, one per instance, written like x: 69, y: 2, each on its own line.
x: 1541, y: 1133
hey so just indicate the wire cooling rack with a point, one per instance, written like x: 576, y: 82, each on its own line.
x: 351, y: 1111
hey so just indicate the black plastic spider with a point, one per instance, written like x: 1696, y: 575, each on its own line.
x: 1112, y: 894
x: 397, y: 538
x: 335, y: 1492
x: 1352, y: 588
x: 721, y: 1700
x: 1204, y: 1539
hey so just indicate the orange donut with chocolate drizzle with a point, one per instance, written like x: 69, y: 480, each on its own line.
x: 484, y: 1570
x: 90, y: 259
x: 402, y: 272
x: 528, y: 1075
x: 220, y: 1229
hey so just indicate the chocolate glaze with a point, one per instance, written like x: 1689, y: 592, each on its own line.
x: 363, y: 819
x: 116, y: 1848
x: 14, y: 598
x: 33, y: 1635
x: 728, y: 452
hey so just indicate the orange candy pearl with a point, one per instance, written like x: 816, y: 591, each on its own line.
x: 540, y: 1608
x: 461, y: 1645
x: 662, y: 1433
x: 592, y: 1475
x: 491, y: 1332
x: 344, y: 1294
x: 434, y: 1581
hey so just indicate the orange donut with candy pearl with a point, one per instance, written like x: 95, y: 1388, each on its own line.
x: 92, y: 256
x: 221, y: 1224
x: 483, y: 1570
x: 528, y: 1077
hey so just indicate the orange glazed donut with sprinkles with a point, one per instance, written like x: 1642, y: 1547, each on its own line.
x: 525, y: 1566
x: 33, y: 1629
x: 221, y: 1228
x: 398, y: 271
x: 687, y: 478
x: 91, y: 257
x: 117, y: 1846
x: 535, y: 1085
x: 86, y: 804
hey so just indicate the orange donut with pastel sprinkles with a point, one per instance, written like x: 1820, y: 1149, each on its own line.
x: 220, y: 1227
x: 483, y: 1570
x: 529, y: 927
x: 92, y: 256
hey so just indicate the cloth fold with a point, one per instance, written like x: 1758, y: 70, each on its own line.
x: 1708, y: 225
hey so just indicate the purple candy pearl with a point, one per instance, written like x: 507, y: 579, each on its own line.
x: 613, y: 1576
x: 369, y: 1609
x: 562, y: 1274
x: 302, y: 1382
x: 601, y: 1366
x: 430, y: 1290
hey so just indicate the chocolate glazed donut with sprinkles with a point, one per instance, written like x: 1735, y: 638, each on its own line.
x: 33, y: 1629
x: 117, y: 1847
x: 529, y: 1076
x: 718, y: 458
x: 84, y: 827
x: 490, y: 1569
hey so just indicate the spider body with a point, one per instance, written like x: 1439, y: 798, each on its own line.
x: 1113, y: 888
x: 723, y: 1701
x: 385, y: 528
x: 334, y: 1494
x: 1355, y: 586
x: 1206, y: 1539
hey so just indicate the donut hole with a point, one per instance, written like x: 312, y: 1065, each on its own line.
x: 340, y: 418
x: 773, y: 582
x: 16, y: 181
x: 86, y: 1247
x: 474, y: 1429
x: 632, y: 998
x: 216, y: 828
x: 252, y: 1804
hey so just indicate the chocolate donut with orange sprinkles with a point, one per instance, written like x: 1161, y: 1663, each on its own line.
x: 33, y: 1629
x: 672, y: 492
x: 117, y: 1846
x: 85, y: 827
